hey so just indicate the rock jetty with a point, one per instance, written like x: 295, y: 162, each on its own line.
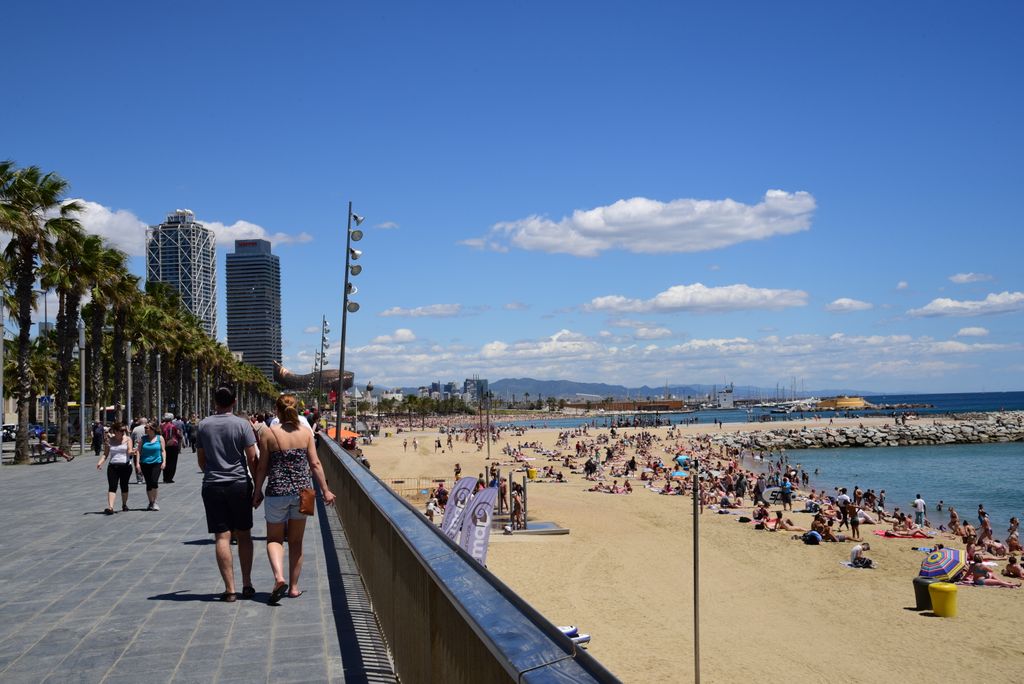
x: 995, y: 427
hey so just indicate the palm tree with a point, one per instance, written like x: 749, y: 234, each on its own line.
x: 31, y: 209
x: 68, y: 268
x: 125, y: 296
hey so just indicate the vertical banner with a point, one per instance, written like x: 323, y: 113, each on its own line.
x: 457, y: 500
x: 476, y: 523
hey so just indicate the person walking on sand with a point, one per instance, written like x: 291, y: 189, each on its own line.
x: 287, y: 471
x: 226, y: 451
x: 920, y: 507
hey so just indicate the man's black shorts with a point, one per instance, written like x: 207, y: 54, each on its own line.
x: 228, y: 506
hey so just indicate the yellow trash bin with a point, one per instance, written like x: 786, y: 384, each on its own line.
x: 531, y: 473
x: 943, y: 595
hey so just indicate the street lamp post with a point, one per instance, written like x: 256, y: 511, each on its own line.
x: 325, y: 330
x: 346, y: 306
x: 128, y: 365
x: 81, y: 385
x: 159, y: 389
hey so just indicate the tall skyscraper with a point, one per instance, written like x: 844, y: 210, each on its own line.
x: 254, y: 304
x: 182, y: 253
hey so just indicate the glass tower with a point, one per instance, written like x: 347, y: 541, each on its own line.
x: 253, y: 285
x: 182, y: 253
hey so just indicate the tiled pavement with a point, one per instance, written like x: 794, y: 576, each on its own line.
x: 86, y: 597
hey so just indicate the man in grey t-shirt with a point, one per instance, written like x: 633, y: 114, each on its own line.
x: 227, y: 456
x: 139, y: 434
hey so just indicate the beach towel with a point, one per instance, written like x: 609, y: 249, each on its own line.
x: 851, y: 566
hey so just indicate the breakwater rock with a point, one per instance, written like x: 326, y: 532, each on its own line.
x: 995, y: 427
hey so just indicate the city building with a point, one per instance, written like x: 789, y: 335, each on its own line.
x: 475, y: 389
x: 253, y: 289
x: 182, y: 253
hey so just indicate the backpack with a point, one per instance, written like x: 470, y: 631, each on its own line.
x: 170, y: 432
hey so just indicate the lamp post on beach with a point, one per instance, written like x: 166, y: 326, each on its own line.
x: 347, y: 306
x: 695, y: 469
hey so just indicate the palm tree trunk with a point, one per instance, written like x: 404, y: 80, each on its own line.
x: 96, y: 358
x: 25, y: 280
x: 120, y: 367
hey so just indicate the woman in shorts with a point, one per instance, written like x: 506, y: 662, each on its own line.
x: 288, y: 458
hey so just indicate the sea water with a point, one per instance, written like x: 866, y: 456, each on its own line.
x: 961, y: 475
x: 937, y: 404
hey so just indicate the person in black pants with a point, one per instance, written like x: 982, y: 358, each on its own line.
x: 119, y: 454
x: 97, y: 438
x: 172, y: 446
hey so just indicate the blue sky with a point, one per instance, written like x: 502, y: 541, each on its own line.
x: 631, y: 193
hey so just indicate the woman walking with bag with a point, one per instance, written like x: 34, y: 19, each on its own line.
x: 288, y: 458
x: 117, y: 452
x: 152, y: 458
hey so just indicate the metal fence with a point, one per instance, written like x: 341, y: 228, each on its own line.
x: 444, y: 616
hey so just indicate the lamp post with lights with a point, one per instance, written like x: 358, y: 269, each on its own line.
x: 347, y: 306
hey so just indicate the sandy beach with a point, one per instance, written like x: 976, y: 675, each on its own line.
x: 771, y: 608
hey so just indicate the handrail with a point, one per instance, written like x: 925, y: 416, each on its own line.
x: 444, y: 615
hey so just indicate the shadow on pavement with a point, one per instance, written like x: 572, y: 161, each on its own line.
x: 182, y: 596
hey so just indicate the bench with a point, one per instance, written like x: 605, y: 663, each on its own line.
x: 40, y: 455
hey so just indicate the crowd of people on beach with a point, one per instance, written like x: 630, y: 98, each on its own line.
x: 748, y: 484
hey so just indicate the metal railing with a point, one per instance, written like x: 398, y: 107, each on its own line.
x: 445, y: 617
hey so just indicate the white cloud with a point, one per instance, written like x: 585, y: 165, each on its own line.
x: 431, y: 311
x: 401, y: 335
x: 387, y: 225
x: 120, y: 228
x: 845, y: 304
x: 1004, y: 302
x: 902, y: 285
x: 872, y: 359
x: 700, y: 298
x: 652, y: 333
x: 311, y: 329
x: 649, y: 226
x: 126, y: 231
x: 961, y: 278
x: 516, y: 306
x: 972, y: 332
x: 244, y: 230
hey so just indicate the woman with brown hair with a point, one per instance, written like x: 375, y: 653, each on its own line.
x: 288, y: 459
x: 119, y: 455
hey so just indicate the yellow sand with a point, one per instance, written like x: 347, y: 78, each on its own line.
x: 772, y: 609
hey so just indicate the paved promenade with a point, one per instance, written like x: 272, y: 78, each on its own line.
x: 86, y: 597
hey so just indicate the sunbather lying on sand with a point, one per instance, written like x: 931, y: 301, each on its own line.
x: 1013, y: 569
x: 781, y: 523
x: 981, y: 576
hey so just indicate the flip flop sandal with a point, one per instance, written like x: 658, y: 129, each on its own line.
x: 296, y: 595
x: 228, y: 597
x: 248, y: 592
x: 277, y: 594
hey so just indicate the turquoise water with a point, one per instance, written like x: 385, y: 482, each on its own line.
x: 961, y: 475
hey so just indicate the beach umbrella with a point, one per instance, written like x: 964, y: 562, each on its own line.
x: 943, y: 564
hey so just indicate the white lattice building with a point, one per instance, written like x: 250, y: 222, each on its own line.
x: 183, y: 254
